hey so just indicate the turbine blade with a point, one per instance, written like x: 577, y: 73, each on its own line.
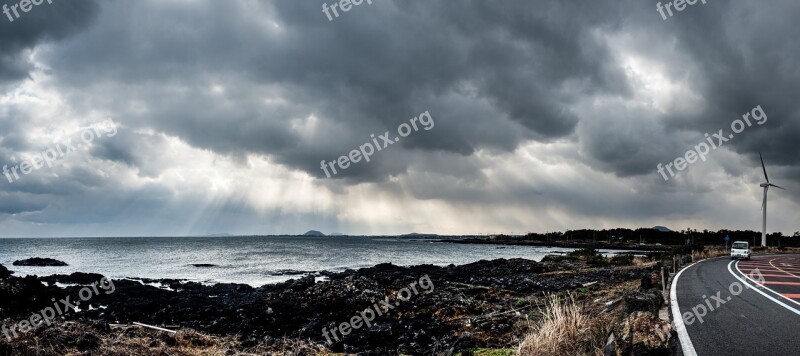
x: 762, y: 167
x: 773, y: 185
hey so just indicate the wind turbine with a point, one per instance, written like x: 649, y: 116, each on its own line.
x: 766, y: 186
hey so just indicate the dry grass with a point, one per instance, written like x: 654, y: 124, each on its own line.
x: 710, y: 252
x: 566, y: 328
x: 775, y: 250
x: 642, y: 262
x: 81, y: 339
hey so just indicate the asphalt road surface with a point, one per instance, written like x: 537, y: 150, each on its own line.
x: 724, y: 307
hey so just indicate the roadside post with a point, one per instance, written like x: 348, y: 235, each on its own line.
x: 727, y: 238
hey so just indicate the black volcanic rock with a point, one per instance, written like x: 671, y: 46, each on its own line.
x: 301, y: 308
x: 4, y: 272
x: 40, y: 262
x: 75, y: 278
x: 19, y: 297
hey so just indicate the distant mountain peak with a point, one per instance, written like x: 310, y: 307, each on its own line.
x: 415, y: 234
x: 661, y: 228
x: 313, y: 233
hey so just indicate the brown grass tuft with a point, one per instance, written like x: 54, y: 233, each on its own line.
x: 566, y: 328
x: 709, y: 252
x: 71, y: 338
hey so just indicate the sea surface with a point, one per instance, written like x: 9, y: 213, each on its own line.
x: 253, y: 260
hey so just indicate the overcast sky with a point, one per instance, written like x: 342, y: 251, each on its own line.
x: 549, y: 115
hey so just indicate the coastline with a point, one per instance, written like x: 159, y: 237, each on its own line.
x: 255, y: 261
x: 485, y: 304
x: 562, y: 244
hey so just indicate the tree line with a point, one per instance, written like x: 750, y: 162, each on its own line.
x: 653, y: 236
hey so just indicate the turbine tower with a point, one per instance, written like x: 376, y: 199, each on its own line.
x: 766, y: 186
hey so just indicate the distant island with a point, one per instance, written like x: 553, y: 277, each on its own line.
x: 316, y: 233
x: 418, y: 235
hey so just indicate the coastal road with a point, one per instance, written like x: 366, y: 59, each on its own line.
x: 724, y: 307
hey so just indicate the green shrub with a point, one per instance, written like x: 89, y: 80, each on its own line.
x: 597, y: 261
x: 559, y: 258
x: 593, y: 257
x: 584, y: 252
x: 623, y: 259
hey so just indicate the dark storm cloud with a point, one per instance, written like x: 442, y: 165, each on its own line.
x: 279, y: 80
x: 45, y: 22
x: 135, y: 150
x: 363, y: 73
x: 745, y: 55
x: 17, y: 203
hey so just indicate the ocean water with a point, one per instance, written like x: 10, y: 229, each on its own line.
x: 255, y: 260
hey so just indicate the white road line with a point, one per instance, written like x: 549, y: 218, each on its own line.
x: 677, y: 317
x: 793, y: 310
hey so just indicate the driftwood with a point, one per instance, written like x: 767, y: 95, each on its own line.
x: 155, y: 328
x: 113, y: 326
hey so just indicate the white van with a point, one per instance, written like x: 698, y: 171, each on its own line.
x: 740, y: 249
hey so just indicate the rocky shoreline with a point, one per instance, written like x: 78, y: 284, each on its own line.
x: 479, y: 305
x: 40, y: 262
x: 520, y: 241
